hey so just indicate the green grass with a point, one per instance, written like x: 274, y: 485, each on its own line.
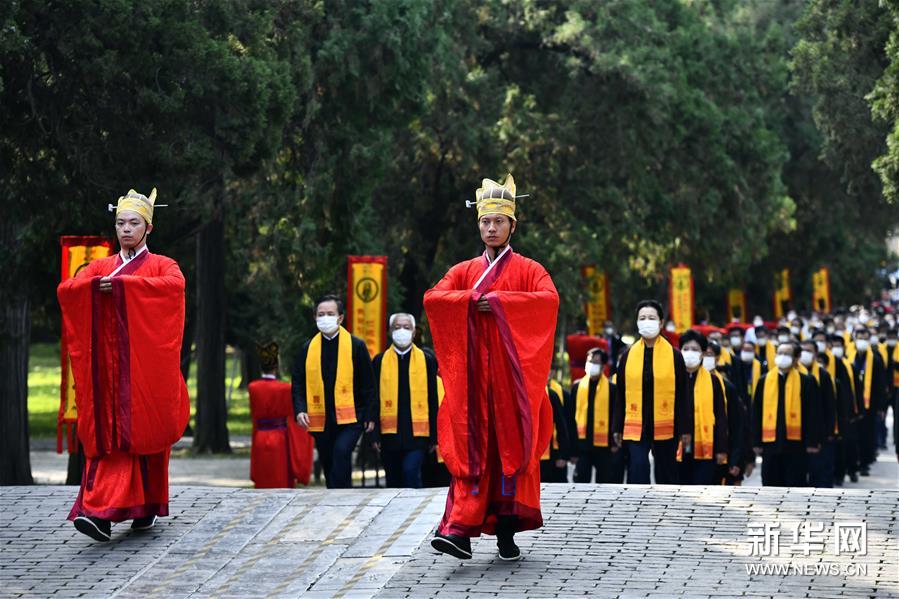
x: 43, y: 392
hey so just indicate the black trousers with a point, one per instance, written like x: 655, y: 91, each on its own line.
x: 550, y: 473
x: 609, y: 466
x: 335, y: 451
x: 787, y: 468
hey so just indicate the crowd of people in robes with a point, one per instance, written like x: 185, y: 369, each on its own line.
x: 808, y: 394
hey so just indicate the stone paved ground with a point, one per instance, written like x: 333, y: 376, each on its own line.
x: 629, y: 541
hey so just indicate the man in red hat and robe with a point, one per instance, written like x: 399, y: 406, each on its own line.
x: 124, y: 320
x: 493, y: 319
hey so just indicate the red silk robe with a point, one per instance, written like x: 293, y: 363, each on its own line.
x: 281, y: 453
x: 132, y: 402
x: 495, y: 420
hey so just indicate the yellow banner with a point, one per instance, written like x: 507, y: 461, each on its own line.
x: 77, y: 252
x: 736, y: 305
x: 821, y: 290
x: 367, y: 305
x: 598, y: 307
x: 782, y: 294
x: 681, y: 295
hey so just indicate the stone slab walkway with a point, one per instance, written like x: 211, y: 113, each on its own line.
x: 602, y: 541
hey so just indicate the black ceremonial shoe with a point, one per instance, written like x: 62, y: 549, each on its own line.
x: 143, y: 523
x: 508, y: 550
x: 454, y: 545
x: 95, y: 528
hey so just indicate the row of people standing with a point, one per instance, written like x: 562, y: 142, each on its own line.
x: 338, y: 393
x: 805, y: 406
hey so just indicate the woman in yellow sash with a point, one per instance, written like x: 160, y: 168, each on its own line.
x: 406, y: 422
x: 652, y: 412
x: 785, y: 424
x: 333, y: 392
x: 591, y: 409
x: 697, y: 461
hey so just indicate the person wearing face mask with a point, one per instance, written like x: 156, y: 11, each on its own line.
x: 738, y: 441
x: 764, y: 349
x: 746, y: 370
x: 735, y: 335
x: 871, y: 388
x: 698, y: 461
x: 333, y: 391
x: 891, y: 342
x: 784, y: 335
x: 554, y: 461
x: 651, y: 412
x: 406, y: 405
x: 785, y: 423
x: 821, y: 464
x: 724, y: 357
x: 591, y: 410
x: 493, y: 320
x: 848, y: 413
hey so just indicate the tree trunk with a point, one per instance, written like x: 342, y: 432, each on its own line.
x: 250, y: 366
x: 190, y: 327
x: 211, y: 433
x: 15, y: 333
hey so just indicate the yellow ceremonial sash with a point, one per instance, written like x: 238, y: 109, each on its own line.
x: 663, y: 388
x: 882, y: 350
x: 770, y: 353
x: 831, y: 368
x: 441, y: 392
x: 851, y: 350
x: 703, y: 417
x: 600, y: 410
x: 792, y: 409
x: 756, y: 376
x: 895, y: 372
x: 725, y: 359
x: 418, y: 392
x: 344, y: 406
x: 556, y: 386
x: 869, y: 377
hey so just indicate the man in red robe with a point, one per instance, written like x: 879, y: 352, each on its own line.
x: 493, y: 319
x: 281, y: 453
x: 124, y: 320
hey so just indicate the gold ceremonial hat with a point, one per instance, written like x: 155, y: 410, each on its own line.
x: 137, y: 202
x: 493, y: 198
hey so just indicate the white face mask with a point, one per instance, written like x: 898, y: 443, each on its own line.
x: 891, y: 342
x: 806, y: 358
x: 783, y: 361
x: 795, y: 330
x: 593, y: 369
x: 648, y: 328
x: 862, y: 344
x: 692, y: 358
x: 747, y: 356
x: 783, y: 338
x: 837, y: 352
x: 709, y: 362
x: 327, y: 324
x: 736, y: 341
x: 610, y: 331
x: 761, y: 341
x: 757, y: 321
x: 402, y: 338
x: 821, y: 346
x: 830, y: 330
x: 670, y: 327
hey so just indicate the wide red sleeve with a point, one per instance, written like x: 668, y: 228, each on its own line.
x: 154, y: 309
x: 527, y: 324
x: 75, y: 302
x: 446, y: 305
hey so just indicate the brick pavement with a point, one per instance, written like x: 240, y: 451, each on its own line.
x: 628, y: 541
